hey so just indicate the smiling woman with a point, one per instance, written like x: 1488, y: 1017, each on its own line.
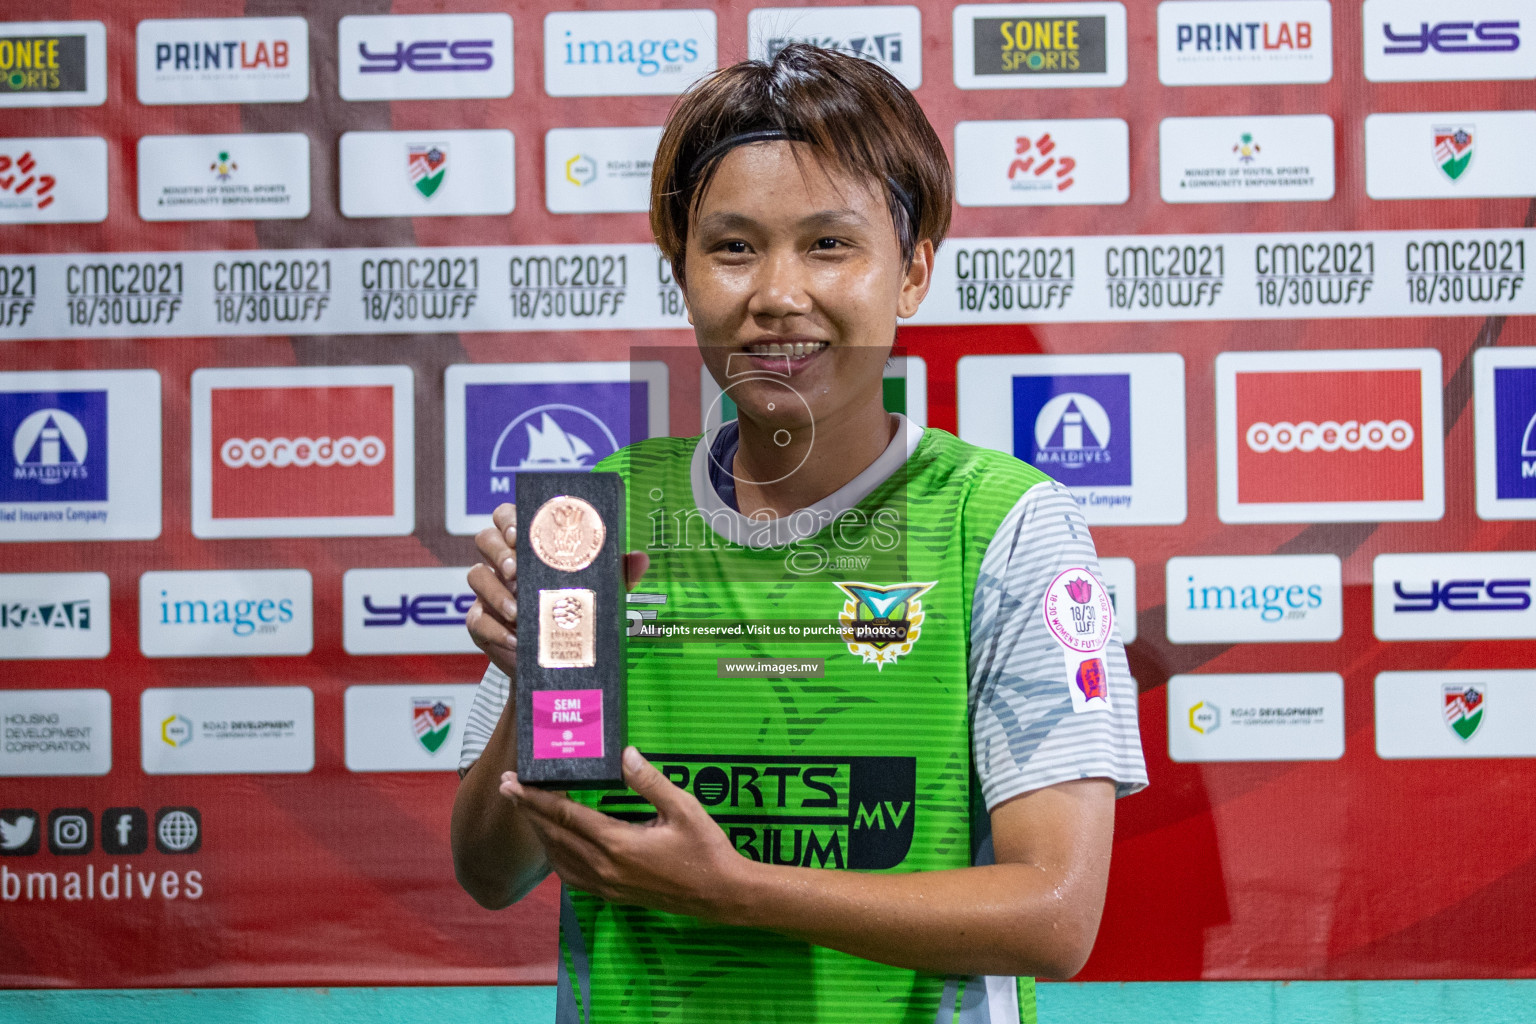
x: 814, y: 846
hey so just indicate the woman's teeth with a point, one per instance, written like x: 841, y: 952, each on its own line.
x: 794, y: 349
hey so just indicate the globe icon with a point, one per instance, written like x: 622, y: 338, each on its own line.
x: 177, y: 831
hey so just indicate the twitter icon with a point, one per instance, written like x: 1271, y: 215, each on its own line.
x: 19, y: 834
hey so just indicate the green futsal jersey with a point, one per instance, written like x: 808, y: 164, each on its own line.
x: 857, y: 748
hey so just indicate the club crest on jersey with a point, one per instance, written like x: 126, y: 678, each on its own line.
x: 882, y: 623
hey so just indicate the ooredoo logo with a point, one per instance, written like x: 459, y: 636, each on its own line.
x: 302, y: 452
x: 1347, y: 438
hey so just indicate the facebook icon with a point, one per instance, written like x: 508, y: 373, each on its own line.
x: 124, y: 830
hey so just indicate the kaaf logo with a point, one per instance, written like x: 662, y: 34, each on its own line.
x: 881, y: 624
x: 301, y: 452
x: 1353, y: 436
x: 823, y: 812
x: 1076, y: 427
x: 1453, y: 37
x: 890, y: 36
x: 425, y: 56
x: 58, y: 445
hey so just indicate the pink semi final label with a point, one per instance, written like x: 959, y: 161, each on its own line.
x: 567, y: 723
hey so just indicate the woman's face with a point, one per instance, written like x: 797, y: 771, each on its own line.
x: 794, y: 278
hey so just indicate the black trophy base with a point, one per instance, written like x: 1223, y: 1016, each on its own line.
x: 571, y: 699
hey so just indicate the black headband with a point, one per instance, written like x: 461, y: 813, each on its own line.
x: 719, y: 149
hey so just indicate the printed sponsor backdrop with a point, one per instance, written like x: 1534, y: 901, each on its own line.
x: 239, y: 466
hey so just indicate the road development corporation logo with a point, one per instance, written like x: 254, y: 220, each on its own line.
x: 53, y: 64
x: 226, y: 613
x: 528, y: 418
x: 425, y: 56
x: 224, y: 177
x: 1039, y: 45
x: 1504, y: 389
x: 1426, y: 41
x: 223, y: 60
x: 882, y: 623
x: 599, y: 170
x: 427, y: 174
x: 406, y: 611
x: 1453, y: 148
x: 1449, y: 155
x: 1463, y: 709
x: 1285, y: 158
x: 55, y: 733
x: 225, y: 730
x: 1042, y: 163
x: 889, y: 36
x: 1473, y: 595
x: 63, y: 473
x: 53, y: 181
x: 627, y: 53
x: 55, y: 615
x: 405, y: 728
x: 1108, y: 427
x: 1329, y: 436
x: 1260, y: 717
x: 1254, y: 599
x: 1079, y: 614
x: 316, y: 452
x: 1217, y: 42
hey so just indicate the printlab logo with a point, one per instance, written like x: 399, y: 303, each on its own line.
x: 223, y: 60
x: 1453, y: 149
x: 1463, y: 709
x: 570, y: 426
x: 431, y: 721
x: 58, y: 445
x: 1515, y: 431
x: 427, y: 166
x: 881, y: 624
x: 1033, y: 160
x: 1040, y: 46
x: 1075, y: 427
x: 20, y: 832
x: 23, y: 185
x: 223, y: 167
x: 1204, y: 717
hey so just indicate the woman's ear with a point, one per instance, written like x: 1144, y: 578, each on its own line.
x: 919, y: 276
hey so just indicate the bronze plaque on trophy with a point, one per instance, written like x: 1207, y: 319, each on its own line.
x: 570, y: 630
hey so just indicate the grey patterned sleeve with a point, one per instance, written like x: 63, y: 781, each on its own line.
x: 1025, y: 734
x: 484, y: 713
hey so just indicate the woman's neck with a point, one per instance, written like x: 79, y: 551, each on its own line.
x: 774, y: 480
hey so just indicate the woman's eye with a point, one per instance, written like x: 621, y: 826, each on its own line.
x: 734, y: 246
x: 828, y: 243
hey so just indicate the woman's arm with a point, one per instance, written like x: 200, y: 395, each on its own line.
x: 1035, y: 912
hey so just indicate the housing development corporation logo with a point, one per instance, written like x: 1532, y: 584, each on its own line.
x: 425, y: 56
x: 1355, y: 440
x: 627, y: 53
x: 1216, y: 42
x: 301, y: 452
x: 1464, y: 709
x: 223, y: 60
x: 1076, y: 427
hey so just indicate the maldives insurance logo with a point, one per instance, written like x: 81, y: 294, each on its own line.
x: 302, y: 452
x: 1355, y: 436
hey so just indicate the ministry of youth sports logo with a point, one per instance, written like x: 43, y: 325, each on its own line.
x: 881, y: 624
